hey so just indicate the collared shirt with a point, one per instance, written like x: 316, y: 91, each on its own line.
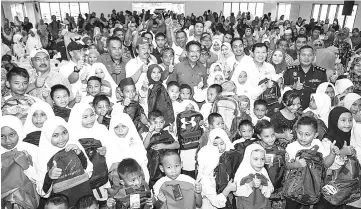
x: 184, y: 73
x: 310, y: 80
x: 133, y: 66
x: 52, y: 79
x: 109, y: 63
x: 156, y: 53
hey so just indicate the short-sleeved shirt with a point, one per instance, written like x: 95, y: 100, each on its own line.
x: 295, y: 146
x: 311, y: 80
x: 109, y: 63
x: 184, y: 73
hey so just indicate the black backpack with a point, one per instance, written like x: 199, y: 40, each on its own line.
x: 158, y: 99
x: 74, y: 181
x: 154, y: 155
x: 135, y: 111
x: 100, y: 169
x: 33, y: 138
x: 303, y: 185
x: 225, y: 171
x: 189, y: 130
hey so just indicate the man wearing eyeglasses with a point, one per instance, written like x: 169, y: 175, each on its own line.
x: 42, y: 78
x: 305, y: 77
x: 76, y: 68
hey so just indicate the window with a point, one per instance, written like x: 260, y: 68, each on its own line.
x: 321, y: 12
x: 176, y: 7
x: 256, y: 9
x: 284, y: 9
x: 18, y: 10
x: 61, y: 9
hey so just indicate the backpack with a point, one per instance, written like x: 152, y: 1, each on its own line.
x: 124, y: 195
x: 303, y: 185
x: 17, y: 191
x: 225, y: 171
x: 158, y: 99
x: 135, y: 111
x: 228, y: 108
x: 154, y: 155
x: 100, y: 169
x: 17, y: 107
x: 189, y: 131
x: 256, y: 200
x: 347, y: 182
x: 33, y: 138
x: 270, y: 95
x: 277, y: 170
x: 74, y: 181
x: 179, y: 194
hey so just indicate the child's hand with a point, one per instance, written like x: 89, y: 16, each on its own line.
x: 151, y: 128
x: 117, y: 69
x: 30, y: 159
x: 251, y: 184
x: 144, y: 119
x: 110, y: 203
x: 334, y: 149
x: 102, y: 150
x: 54, y: 172
x: 353, y: 151
x: 300, y: 163
x: 198, y: 187
x: 269, y: 84
x: 145, y: 83
x: 159, y: 146
x: 145, y: 68
x: 151, y: 200
x: 84, y: 75
x: 161, y: 197
x: 257, y: 182
x: 126, y: 101
x: 200, y: 85
x: 45, y: 93
x: 77, y: 97
x: 171, y: 67
x: 232, y: 186
x: 288, y: 134
x: 72, y: 147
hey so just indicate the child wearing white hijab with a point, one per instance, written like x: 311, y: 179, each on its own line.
x: 320, y: 105
x: 329, y: 89
x: 11, y: 140
x: 219, y: 138
x: 208, y: 159
x: 56, y: 136
x: 82, y: 123
x: 253, y: 182
x: 18, y: 47
x: 33, y: 41
x: 125, y: 143
x: 343, y: 87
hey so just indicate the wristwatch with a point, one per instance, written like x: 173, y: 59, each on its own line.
x: 76, y: 70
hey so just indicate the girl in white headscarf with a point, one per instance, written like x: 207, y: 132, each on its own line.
x: 226, y: 57
x: 33, y: 41
x: 240, y: 78
x: 82, y: 123
x: 343, y: 87
x: 18, y: 47
x: 219, y: 138
x: 56, y: 136
x: 320, y: 105
x: 329, y: 89
x: 125, y: 143
x: 208, y: 159
x: 253, y: 182
x: 216, y: 47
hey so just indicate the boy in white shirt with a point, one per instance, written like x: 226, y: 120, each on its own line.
x: 259, y: 111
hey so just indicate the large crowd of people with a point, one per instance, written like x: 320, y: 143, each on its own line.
x: 142, y: 110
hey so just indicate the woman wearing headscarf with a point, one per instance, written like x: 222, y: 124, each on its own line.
x: 19, y: 49
x: 7, y: 36
x: 355, y: 74
x: 219, y: 138
x: 246, y: 176
x: 125, y: 143
x: 208, y: 159
x: 227, y: 59
x: 216, y: 47
x: 33, y: 41
x: 278, y: 60
x: 83, y: 124
x: 57, y: 136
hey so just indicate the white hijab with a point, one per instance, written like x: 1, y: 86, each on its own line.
x: 29, y: 127
x: 323, y: 86
x: 349, y: 99
x: 213, y: 66
x: 19, y: 47
x: 244, y: 89
x: 15, y: 124
x: 218, y: 132
x: 33, y: 42
x: 218, y: 53
x: 342, y: 84
x: 185, y: 103
x: 47, y: 150
x: 212, y: 77
x: 323, y: 103
x: 208, y: 159
x: 131, y: 146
